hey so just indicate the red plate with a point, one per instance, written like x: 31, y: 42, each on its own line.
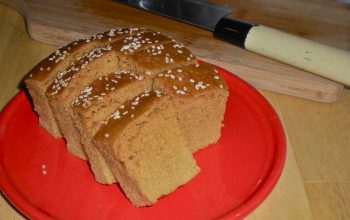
x: 44, y: 181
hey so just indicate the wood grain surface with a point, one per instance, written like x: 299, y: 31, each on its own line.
x: 315, y: 183
x: 58, y: 22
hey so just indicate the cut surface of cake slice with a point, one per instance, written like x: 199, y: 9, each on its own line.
x: 143, y: 145
x: 98, y: 100
x: 199, y: 95
x: 42, y: 75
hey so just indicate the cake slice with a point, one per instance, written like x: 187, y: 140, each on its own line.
x: 143, y: 145
x: 97, y: 62
x: 98, y: 100
x: 42, y: 75
x: 199, y: 95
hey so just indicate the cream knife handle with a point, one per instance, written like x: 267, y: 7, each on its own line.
x: 321, y: 59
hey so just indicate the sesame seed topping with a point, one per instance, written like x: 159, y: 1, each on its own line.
x: 106, y: 135
x: 91, y: 93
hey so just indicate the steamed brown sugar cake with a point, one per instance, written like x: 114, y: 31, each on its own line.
x: 142, y: 143
x: 135, y: 104
x: 41, y: 76
x: 161, y: 53
x: 101, y: 60
x: 98, y: 100
x: 199, y: 95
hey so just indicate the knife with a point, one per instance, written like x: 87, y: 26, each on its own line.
x: 323, y: 60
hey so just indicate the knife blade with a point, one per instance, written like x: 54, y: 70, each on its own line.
x: 317, y: 58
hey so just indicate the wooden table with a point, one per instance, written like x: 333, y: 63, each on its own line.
x: 315, y: 183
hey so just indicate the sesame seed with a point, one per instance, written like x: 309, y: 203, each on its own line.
x: 216, y: 77
x: 106, y: 135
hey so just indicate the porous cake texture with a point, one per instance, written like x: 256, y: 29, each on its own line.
x: 143, y: 145
x: 133, y: 102
x: 199, y: 95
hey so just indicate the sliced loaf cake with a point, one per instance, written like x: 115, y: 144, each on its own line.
x: 42, y: 75
x: 101, y: 60
x: 135, y: 104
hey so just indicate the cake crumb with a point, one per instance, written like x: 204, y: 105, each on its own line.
x: 43, y: 169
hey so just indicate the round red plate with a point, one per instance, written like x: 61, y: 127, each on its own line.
x: 44, y: 181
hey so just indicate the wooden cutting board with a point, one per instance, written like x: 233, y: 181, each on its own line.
x: 60, y: 21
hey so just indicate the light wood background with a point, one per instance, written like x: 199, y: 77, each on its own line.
x: 61, y: 21
x: 315, y: 183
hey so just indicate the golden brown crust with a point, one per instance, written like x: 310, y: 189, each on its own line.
x: 162, y: 56
x: 188, y: 81
x: 126, y: 45
x: 63, y: 78
x: 43, y: 69
x: 139, y: 41
x: 101, y: 87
